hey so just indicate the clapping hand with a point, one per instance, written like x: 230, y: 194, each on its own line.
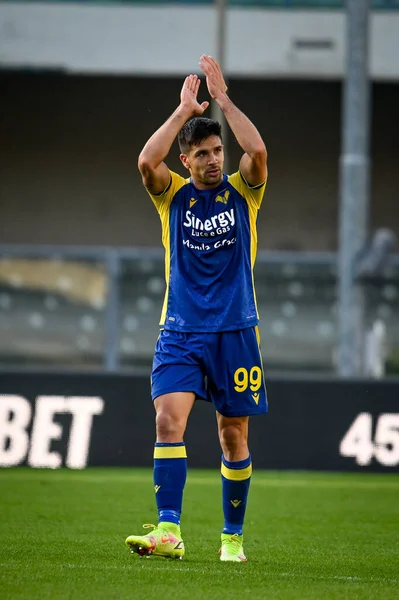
x: 214, y: 77
x: 188, y: 96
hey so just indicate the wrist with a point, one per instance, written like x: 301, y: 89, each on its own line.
x: 184, y: 112
x: 223, y: 101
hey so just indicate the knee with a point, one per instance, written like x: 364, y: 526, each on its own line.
x: 169, y: 427
x: 232, y: 437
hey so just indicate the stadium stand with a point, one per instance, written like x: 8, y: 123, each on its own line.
x: 53, y: 311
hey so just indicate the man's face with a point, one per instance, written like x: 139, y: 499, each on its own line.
x: 205, y: 162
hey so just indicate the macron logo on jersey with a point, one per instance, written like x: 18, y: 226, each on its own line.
x: 223, y: 219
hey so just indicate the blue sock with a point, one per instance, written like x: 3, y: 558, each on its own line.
x: 170, y: 472
x: 236, y: 477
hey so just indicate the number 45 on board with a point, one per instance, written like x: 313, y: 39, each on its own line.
x: 358, y: 440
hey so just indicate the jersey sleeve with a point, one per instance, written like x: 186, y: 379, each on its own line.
x: 252, y: 194
x: 163, y: 200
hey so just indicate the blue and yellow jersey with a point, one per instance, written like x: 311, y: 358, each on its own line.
x: 210, y: 244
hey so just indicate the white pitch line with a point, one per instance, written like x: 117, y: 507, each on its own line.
x: 189, y: 569
x: 341, y: 578
x: 105, y: 567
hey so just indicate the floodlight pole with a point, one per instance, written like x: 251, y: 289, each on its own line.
x: 220, y: 46
x: 354, y: 189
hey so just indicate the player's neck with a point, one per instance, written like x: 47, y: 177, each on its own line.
x: 200, y: 185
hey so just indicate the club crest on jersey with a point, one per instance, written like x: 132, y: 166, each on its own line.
x: 224, y: 198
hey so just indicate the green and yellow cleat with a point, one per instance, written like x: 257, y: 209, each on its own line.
x: 232, y: 550
x: 165, y: 540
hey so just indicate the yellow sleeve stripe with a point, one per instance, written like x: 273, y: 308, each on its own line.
x: 236, y: 474
x: 252, y: 187
x: 170, y: 452
x: 163, y: 192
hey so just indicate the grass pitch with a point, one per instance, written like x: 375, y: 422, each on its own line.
x: 307, y: 536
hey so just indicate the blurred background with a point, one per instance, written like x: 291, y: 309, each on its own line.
x: 84, y: 84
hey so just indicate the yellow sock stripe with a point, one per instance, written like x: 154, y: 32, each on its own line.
x: 236, y: 474
x: 170, y: 452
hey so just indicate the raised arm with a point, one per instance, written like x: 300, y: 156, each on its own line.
x: 253, y: 164
x: 154, y: 172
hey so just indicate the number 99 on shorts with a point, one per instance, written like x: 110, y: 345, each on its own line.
x: 244, y: 379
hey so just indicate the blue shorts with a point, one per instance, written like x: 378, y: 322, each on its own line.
x: 224, y: 368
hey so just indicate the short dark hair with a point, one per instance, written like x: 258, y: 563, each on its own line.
x: 196, y: 130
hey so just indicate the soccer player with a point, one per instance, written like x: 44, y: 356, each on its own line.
x: 209, y: 321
